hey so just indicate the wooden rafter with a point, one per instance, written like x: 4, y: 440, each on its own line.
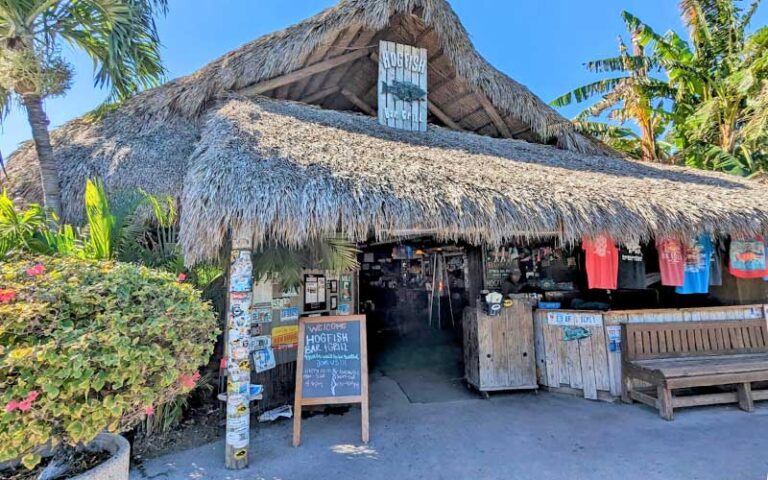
x: 522, y: 131
x: 358, y: 102
x: 321, y: 95
x: 498, y: 122
x: 364, y: 39
x: 435, y: 55
x: 302, y: 73
x: 448, y: 121
x: 343, y: 43
x: 442, y: 83
x: 320, y: 53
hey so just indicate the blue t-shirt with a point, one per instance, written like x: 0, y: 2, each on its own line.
x: 698, y: 254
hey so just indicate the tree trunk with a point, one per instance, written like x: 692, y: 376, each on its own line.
x: 49, y: 171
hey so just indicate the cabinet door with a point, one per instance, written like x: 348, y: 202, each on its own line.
x: 519, y: 345
x: 494, y: 364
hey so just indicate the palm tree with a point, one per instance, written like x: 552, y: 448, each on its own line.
x: 632, y: 96
x: 719, y: 80
x: 120, y: 37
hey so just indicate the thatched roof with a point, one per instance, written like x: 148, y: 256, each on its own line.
x: 457, y: 73
x: 288, y: 171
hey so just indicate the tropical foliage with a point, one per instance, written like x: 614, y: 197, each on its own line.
x: 92, y: 345
x: 630, y: 94
x: 712, y: 105
x: 287, y: 264
x: 119, y: 36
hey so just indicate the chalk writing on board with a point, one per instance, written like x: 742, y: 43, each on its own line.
x: 332, y: 365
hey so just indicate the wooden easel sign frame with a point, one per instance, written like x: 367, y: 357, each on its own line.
x: 332, y: 366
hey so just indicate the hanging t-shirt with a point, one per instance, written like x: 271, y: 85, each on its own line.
x: 602, y: 262
x: 671, y: 261
x: 698, y: 259
x: 716, y: 264
x: 747, y: 257
x: 631, y: 266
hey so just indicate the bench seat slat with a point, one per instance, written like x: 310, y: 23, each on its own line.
x: 716, y: 364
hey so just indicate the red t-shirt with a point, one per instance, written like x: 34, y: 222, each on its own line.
x: 602, y: 262
x: 671, y: 261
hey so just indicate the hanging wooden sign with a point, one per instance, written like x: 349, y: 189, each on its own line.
x: 402, y: 86
x: 332, y: 366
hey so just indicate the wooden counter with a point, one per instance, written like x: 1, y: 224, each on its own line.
x: 499, y: 350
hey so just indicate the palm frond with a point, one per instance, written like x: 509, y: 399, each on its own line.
x: 587, y: 91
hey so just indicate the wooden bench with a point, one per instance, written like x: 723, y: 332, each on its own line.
x: 671, y: 356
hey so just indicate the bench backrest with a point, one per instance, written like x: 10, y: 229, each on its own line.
x: 643, y: 341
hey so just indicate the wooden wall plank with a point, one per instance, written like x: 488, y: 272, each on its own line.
x: 589, y: 383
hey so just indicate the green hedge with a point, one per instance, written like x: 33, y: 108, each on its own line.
x: 87, y: 346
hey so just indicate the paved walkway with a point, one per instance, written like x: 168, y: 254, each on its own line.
x: 512, y: 436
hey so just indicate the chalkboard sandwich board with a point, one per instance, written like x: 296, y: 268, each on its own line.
x: 332, y: 366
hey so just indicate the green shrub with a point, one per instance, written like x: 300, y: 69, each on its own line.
x: 87, y: 346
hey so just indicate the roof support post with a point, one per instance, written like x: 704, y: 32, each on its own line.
x: 239, y: 297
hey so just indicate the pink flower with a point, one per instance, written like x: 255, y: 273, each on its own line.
x: 149, y: 410
x: 32, y: 396
x: 11, y: 406
x: 38, y: 269
x: 181, y: 277
x: 189, y: 380
x: 25, y: 405
x: 7, y: 295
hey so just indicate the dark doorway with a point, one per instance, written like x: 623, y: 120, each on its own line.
x: 413, y: 294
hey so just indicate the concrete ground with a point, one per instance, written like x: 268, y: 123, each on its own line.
x: 510, y: 436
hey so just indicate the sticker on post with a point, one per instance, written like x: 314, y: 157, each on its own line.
x: 238, y: 439
x: 241, y: 271
x: 240, y: 454
x: 239, y: 310
x: 237, y: 405
x: 237, y: 388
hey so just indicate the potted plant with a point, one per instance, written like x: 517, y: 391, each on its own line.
x: 87, y: 349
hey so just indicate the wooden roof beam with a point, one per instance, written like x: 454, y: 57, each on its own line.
x: 340, y: 45
x: 498, y: 122
x: 302, y: 73
x: 322, y: 94
x: 358, y: 102
x: 448, y: 121
x: 298, y: 88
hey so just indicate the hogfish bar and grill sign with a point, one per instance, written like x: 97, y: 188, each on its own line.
x: 402, y: 86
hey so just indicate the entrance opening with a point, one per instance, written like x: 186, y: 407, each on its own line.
x: 413, y: 294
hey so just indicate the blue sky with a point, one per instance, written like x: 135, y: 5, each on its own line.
x: 542, y: 44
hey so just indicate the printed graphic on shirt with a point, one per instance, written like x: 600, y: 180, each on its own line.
x: 697, y: 266
x: 671, y: 261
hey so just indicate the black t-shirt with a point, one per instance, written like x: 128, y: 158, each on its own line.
x: 631, y: 267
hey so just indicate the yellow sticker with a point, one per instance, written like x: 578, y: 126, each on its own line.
x: 240, y: 454
x: 241, y: 409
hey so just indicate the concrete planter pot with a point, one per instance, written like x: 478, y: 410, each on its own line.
x: 116, y: 467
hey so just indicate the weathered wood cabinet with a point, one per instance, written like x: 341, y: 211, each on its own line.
x: 499, y: 350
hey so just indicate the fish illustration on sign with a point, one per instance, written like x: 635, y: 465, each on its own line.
x: 405, y: 91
